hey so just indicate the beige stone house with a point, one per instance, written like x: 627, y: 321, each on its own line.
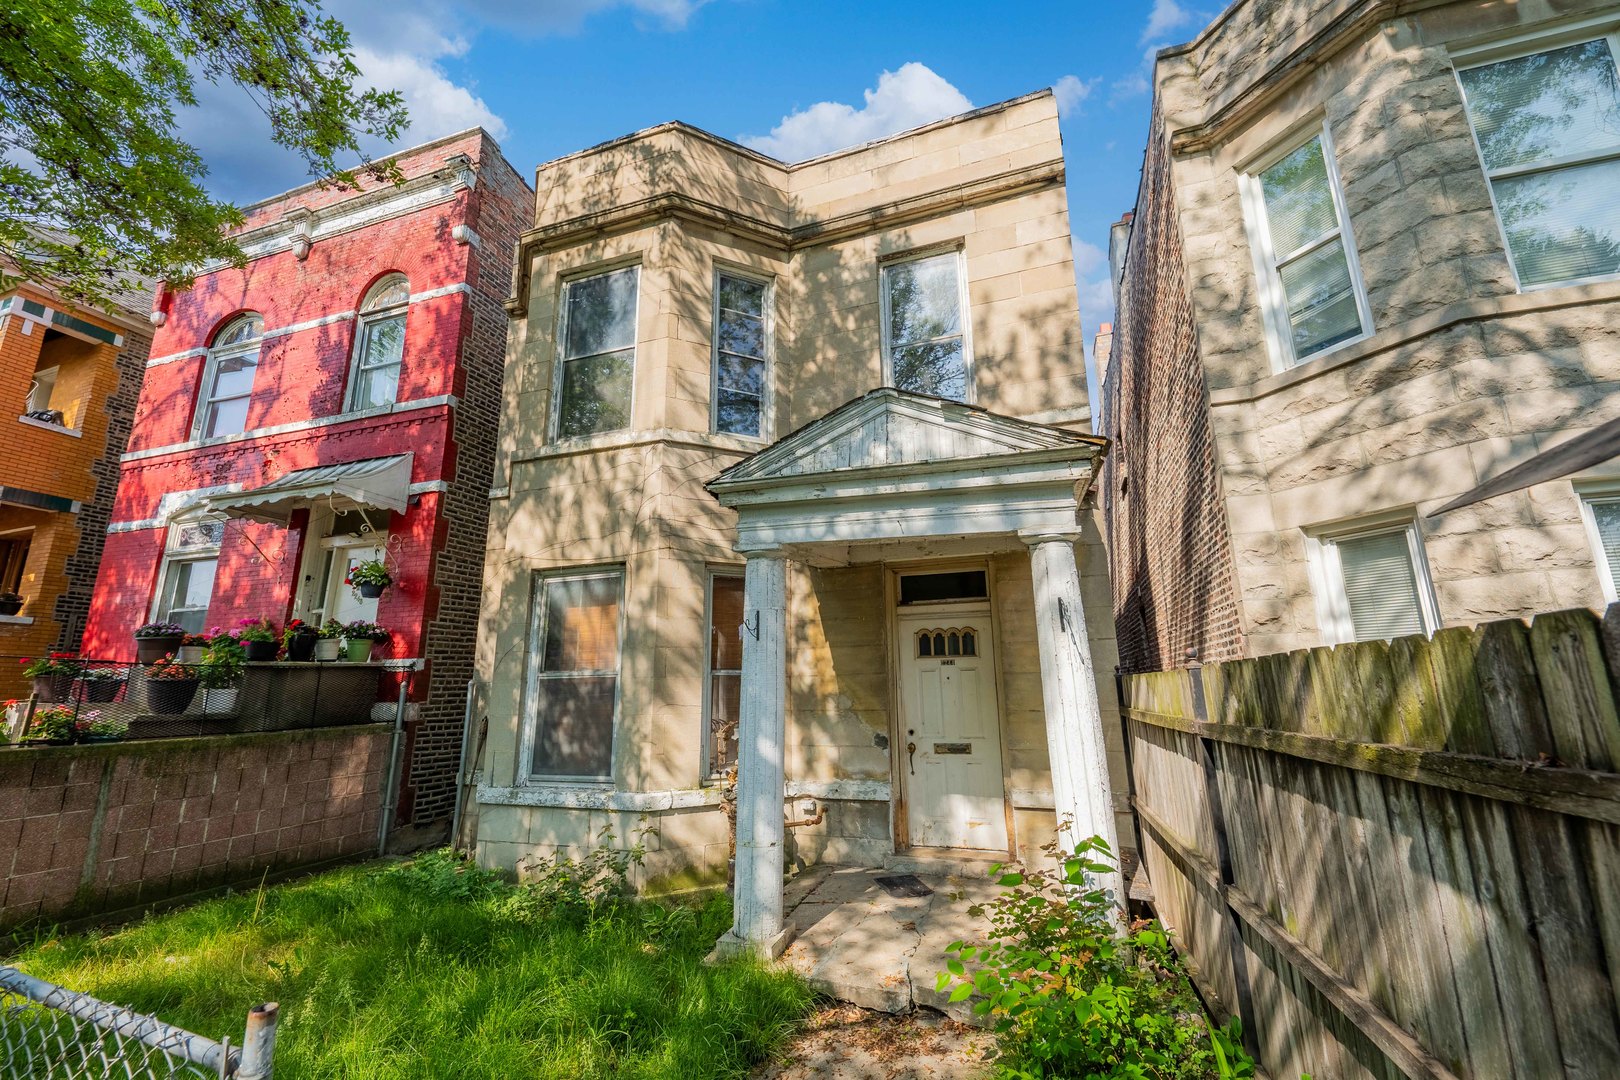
x: 792, y: 468
x: 1375, y: 260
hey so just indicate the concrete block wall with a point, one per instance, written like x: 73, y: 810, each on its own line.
x: 90, y: 830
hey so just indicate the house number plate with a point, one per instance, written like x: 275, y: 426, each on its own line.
x: 953, y: 748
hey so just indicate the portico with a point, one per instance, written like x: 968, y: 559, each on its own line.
x: 917, y: 482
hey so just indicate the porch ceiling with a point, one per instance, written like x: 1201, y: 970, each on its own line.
x: 893, y: 468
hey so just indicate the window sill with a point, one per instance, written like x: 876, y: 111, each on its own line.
x: 594, y: 795
x: 58, y: 428
x: 16, y: 620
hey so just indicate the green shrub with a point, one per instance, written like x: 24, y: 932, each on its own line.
x: 1076, y: 993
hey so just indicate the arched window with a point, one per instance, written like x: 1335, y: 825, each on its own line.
x: 228, y: 378
x: 380, y: 344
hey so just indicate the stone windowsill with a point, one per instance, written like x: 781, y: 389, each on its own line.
x: 58, y: 428
x: 16, y: 620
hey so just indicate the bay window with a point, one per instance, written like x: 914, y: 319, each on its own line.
x: 925, y: 344
x: 573, y: 683
x: 598, y: 355
x: 741, y: 373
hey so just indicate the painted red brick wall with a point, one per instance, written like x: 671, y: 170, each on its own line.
x: 1170, y: 548
x: 92, y: 829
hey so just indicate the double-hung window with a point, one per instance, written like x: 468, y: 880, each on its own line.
x: 1601, y: 511
x: 190, y: 560
x: 380, y: 345
x: 228, y: 379
x: 1548, y: 129
x: 1310, y: 284
x: 925, y: 341
x: 741, y: 351
x: 598, y: 362
x: 1372, y: 584
x: 724, y: 692
x: 573, y: 685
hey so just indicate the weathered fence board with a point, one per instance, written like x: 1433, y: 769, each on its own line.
x: 1397, y: 859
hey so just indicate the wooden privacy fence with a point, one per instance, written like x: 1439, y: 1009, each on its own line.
x: 1397, y: 859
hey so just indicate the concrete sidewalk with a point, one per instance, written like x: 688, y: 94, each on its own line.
x: 859, y: 944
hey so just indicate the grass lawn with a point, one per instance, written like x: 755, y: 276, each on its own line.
x: 431, y: 971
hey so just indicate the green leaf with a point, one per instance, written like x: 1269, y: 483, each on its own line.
x: 962, y: 993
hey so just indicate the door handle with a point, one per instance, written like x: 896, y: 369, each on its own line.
x: 911, y: 757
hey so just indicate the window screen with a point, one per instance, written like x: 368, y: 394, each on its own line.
x: 955, y: 585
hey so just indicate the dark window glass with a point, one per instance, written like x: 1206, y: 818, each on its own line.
x: 955, y: 585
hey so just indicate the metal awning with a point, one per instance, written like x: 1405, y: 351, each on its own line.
x: 382, y: 483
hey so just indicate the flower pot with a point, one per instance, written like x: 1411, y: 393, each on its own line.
x: 370, y: 590
x: 190, y: 654
x: 328, y: 648
x: 260, y: 651
x: 219, y: 699
x: 300, y: 647
x: 148, y: 649
x: 54, y: 687
x: 358, y: 652
x: 10, y: 607
x: 170, y: 696
x: 101, y: 690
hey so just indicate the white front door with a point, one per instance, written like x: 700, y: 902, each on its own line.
x: 343, y: 602
x: 951, y: 749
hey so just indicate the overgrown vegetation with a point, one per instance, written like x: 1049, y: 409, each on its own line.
x: 1075, y: 993
x: 433, y: 968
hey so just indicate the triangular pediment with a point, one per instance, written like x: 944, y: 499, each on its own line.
x: 891, y: 428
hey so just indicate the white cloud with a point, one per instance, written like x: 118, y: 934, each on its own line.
x: 437, y: 106
x: 1071, y: 92
x: 906, y: 98
x: 1167, y: 15
x: 1137, y: 82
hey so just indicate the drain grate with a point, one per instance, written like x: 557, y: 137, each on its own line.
x: 904, y: 885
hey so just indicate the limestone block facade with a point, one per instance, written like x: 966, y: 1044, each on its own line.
x: 1461, y: 195
x: 621, y: 510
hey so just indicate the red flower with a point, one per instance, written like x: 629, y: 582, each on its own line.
x: 25, y: 660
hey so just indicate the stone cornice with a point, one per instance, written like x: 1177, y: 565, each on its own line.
x: 780, y: 237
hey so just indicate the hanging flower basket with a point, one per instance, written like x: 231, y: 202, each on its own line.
x: 369, y: 578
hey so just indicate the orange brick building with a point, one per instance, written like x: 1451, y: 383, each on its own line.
x: 69, y: 379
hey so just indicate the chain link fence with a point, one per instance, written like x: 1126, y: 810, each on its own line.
x: 51, y: 1033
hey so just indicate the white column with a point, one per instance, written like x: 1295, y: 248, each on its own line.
x: 1081, y: 789
x: 757, y: 902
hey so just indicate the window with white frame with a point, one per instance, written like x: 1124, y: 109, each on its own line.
x: 741, y: 352
x: 41, y: 389
x: 1310, y: 283
x: 228, y: 379
x: 186, y: 585
x: 925, y: 340
x: 379, y: 348
x: 574, y: 675
x: 1373, y: 585
x: 1548, y: 128
x: 598, y: 356
x: 724, y: 692
x: 1602, y: 514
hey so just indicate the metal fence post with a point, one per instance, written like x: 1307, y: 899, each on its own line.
x: 390, y: 796
x: 1223, y: 854
x: 259, y: 1042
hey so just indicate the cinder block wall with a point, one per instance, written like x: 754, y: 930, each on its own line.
x: 88, y: 830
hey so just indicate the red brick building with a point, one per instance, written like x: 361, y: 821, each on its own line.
x: 334, y: 400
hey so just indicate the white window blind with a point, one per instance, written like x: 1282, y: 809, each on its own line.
x: 1548, y: 128
x: 1380, y: 586
x: 1606, y: 516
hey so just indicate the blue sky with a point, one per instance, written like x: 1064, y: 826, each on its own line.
x: 792, y: 78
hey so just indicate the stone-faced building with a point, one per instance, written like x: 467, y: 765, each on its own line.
x: 1375, y: 260
x: 791, y: 469
x: 335, y: 400
x: 69, y: 378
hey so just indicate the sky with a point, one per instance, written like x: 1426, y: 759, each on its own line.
x: 792, y: 78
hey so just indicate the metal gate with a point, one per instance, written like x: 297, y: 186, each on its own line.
x: 51, y: 1033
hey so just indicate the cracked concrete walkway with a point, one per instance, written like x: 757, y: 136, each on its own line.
x: 858, y: 944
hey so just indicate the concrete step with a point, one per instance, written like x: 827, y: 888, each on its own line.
x: 960, y: 864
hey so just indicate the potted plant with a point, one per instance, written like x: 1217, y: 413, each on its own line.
x: 101, y: 684
x: 10, y: 603
x: 298, y: 639
x: 170, y: 686
x: 95, y: 728
x: 192, y: 647
x: 259, y: 639
x: 51, y: 725
x: 369, y: 578
x: 329, y: 640
x: 221, y: 665
x: 53, y: 676
x: 359, y: 638
x: 155, y: 640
